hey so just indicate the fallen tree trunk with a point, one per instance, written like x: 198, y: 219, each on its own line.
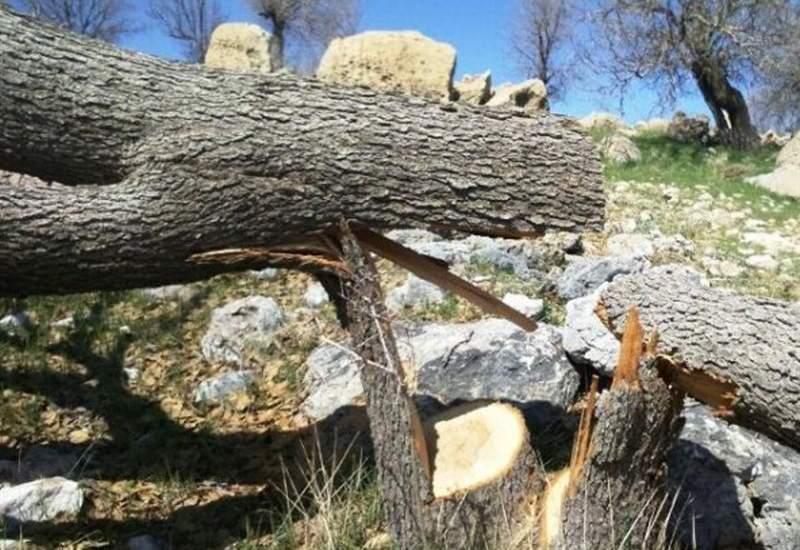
x: 469, y: 477
x: 739, y: 354
x: 173, y: 173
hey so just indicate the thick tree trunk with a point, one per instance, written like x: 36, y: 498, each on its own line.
x: 727, y: 104
x: 168, y: 169
x: 741, y: 355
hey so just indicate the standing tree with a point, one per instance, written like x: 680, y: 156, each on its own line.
x: 540, y: 41
x: 714, y: 43
x: 104, y: 19
x: 190, y: 22
x: 303, y: 28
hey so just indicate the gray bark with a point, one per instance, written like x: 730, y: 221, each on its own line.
x: 721, y: 342
x: 161, y: 162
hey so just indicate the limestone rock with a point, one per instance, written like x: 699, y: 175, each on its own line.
x: 241, y: 46
x: 587, y: 340
x: 475, y: 88
x: 583, y: 275
x: 602, y: 121
x: 238, y: 325
x: 530, y: 95
x: 183, y: 294
x: 774, y: 139
x: 631, y: 244
x: 41, y: 500
x: 224, y: 385
x: 687, y: 129
x: 316, y: 296
x: 406, y: 62
x: 266, y: 274
x: 762, y: 261
x: 489, y: 359
x: 790, y: 154
x: 415, y: 292
x: 740, y: 489
x: 16, y: 324
x: 619, y: 149
x: 528, y: 306
x: 784, y: 180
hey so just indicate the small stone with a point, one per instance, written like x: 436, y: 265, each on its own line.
x: 475, y: 89
x: 583, y: 275
x: 238, y: 324
x: 527, y: 306
x: 316, y: 296
x: 79, y: 437
x: 15, y: 324
x: 266, y: 274
x: 182, y: 294
x: 762, y: 261
x: 631, y: 244
x: 41, y: 500
x: 415, y: 292
x: 587, y: 340
x: 618, y: 149
x: 224, y: 385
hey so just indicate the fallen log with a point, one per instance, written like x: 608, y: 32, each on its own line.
x: 167, y: 168
x: 470, y: 478
x: 738, y: 354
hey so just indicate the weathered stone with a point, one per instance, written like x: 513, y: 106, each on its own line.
x: 529, y: 306
x: 415, y: 292
x: 239, y: 325
x: 316, y: 296
x: 602, y: 121
x: 475, y: 88
x: 771, y: 138
x: 530, y: 95
x: 490, y: 359
x: 784, y: 180
x: 619, y: 149
x: 790, y: 154
x: 224, y: 385
x: 266, y: 274
x: 183, y: 294
x: 583, y: 275
x: 762, y: 261
x: 15, y: 324
x: 407, y: 62
x: 687, y: 129
x: 631, y: 244
x: 41, y: 500
x: 587, y: 340
x: 241, y: 46
x: 772, y: 243
x: 738, y: 489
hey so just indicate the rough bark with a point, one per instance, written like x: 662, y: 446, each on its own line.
x: 739, y: 354
x: 480, y: 518
x: 163, y: 162
x: 728, y: 106
x: 620, y: 500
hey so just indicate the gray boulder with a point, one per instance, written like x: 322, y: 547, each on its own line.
x: 587, y: 340
x: 316, y: 296
x: 489, y: 359
x: 239, y: 324
x: 583, y: 275
x: 332, y: 381
x: 686, y: 129
x: 739, y: 488
x: 41, y: 500
x: 619, y: 149
x: 220, y: 387
x: 15, y: 324
x: 415, y: 292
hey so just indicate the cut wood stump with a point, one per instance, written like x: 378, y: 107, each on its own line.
x: 470, y: 477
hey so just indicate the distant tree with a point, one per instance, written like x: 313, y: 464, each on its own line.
x: 190, y: 22
x: 103, y: 19
x: 304, y: 28
x: 714, y: 43
x: 541, y: 42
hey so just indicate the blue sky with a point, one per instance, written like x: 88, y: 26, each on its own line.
x: 478, y: 29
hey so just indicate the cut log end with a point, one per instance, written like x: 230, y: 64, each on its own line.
x: 474, y: 446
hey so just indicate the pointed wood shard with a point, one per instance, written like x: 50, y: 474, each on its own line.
x: 630, y: 354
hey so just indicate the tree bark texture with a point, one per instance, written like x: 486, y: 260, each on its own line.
x: 746, y: 347
x: 620, y: 495
x: 163, y: 162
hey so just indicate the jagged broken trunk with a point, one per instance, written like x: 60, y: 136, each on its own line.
x: 170, y: 173
x: 470, y: 477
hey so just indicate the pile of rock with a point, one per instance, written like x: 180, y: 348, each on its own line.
x: 686, y: 129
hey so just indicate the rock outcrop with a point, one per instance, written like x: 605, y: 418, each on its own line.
x: 241, y: 46
x: 240, y: 325
x: 406, y: 62
x: 686, y: 129
x: 474, y: 88
x: 530, y: 95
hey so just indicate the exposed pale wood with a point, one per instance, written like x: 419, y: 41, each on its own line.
x: 630, y: 353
